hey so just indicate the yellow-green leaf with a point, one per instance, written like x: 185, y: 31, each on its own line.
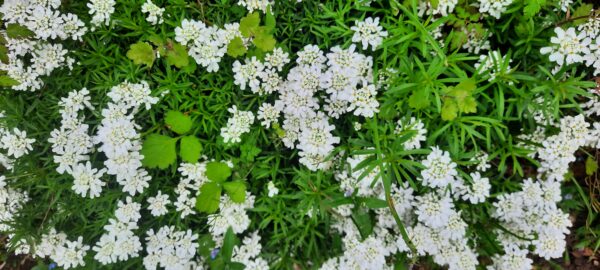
x: 190, y: 149
x: 141, y: 53
x: 159, y: 151
x: 209, y: 198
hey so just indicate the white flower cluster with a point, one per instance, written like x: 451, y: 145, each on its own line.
x: 170, y: 249
x: 414, y: 128
x: 28, y: 58
x: 493, y: 64
x: 255, y: 5
x: 238, y: 124
x: 476, y: 42
x: 443, y: 8
x: 248, y: 253
x: 67, y: 254
x: 570, y: 47
x: 193, y: 177
x: 207, y: 44
x: 368, y: 32
x: 119, y: 242
x: 232, y: 215
x: 72, y: 145
x: 558, y: 151
x: 118, y: 138
x: 11, y: 201
x: 533, y: 218
x: 494, y: 7
x: 352, y: 183
x: 15, y: 143
x: 154, y: 12
x: 101, y: 11
x: 343, y: 76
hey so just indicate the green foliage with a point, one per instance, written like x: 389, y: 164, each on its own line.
x: 459, y: 99
x: 141, y: 53
x: 190, y: 149
x: 14, y: 30
x: 217, y: 171
x: 6, y: 81
x: 236, y: 47
x: 591, y: 166
x: 159, y: 151
x: 262, y: 36
x: 209, y: 198
x: 532, y: 7
x: 177, y: 55
x: 178, y: 122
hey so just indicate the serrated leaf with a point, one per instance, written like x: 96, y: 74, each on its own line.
x: 469, y: 85
x: 14, y: 30
x: 217, y: 171
x: 236, y: 47
x: 249, y: 150
x: 236, y: 191
x: 141, y: 53
x: 159, y: 151
x: 591, y: 166
x: 178, y: 56
x: 264, y: 40
x: 467, y: 105
x: 449, y: 110
x: 190, y: 149
x: 209, y: 198
x: 270, y: 21
x: 249, y: 24
x: 178, y: 122
x: 532, y: 8
x: 419, y: 99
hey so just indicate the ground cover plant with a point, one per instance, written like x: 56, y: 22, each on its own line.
x: 256, y: 134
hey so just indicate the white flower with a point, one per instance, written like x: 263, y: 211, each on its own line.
x: 550, y: 245
x: 494, y: 7
x: 363, y: 101
x: 439, y: 170
x: 272, y: 190
x: 87, y: 179
x: 158, y: 204
x: 568, y: 47
x: 154, y: 12
x: 433, y: 210
x: 247, y: 74
x: 101, y: 9
x: 277, y: 59
x: 71, y: 254
x: 368, y: 32
x: 238, y: 124
x: 253, y: 5
x: 268, y: 114
x: 415, y: 127
x: 16, y: 143
x: 479, y: 189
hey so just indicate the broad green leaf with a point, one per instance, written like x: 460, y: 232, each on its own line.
x: 205, y: 245
x: 270, y: 21
x: 249, y: 24
x: 434, y: 3
x: 159, y: 151
x: 190, y: 149
x: 141, y: 53
x: 249, y: 150
x: 217, y: 171
x: 449, y: 110
x: 419, y: 99
x: 236, y: 266
x: 178, y: 56
x: 178, y: 122
x: 469, y: 85
x: 209, y: 198
x: 236, y: 191
x: 236, y: 47
x: 217, y: 264
x: 582, y: 11
x: 14, y: 30
x: 229, y: 241
x: 3, y: 54
x: 264, y: 41
x: 6, y: 81
x: 591, y: 166
x: 467, y: 105
x: 362, y: 220
x: 532, y: 8
x: 458, y: 39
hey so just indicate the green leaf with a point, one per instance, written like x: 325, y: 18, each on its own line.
x: 6, y: 81
x: 159, y: 151
x: 532, y: 8
x: 264, y: 41
x: 217, y: 264
x: 449, y: 110
x: 14, y: 30
x: 249, y: 24
x: 236, y: 191
x: 582, y: 11
x: 467, y: 105
x: 458, y: 39
x: 591, y: 166
x: 270, y: 22
x: 178, y: 122
x: 205, y: 245
x: 209, y: 198
x: 236, y: 47
x: 362, y: 220
x: 434, y: 3
x: 374, y: 203
x: 229, y: 241
x: 249, y: 150
x: 217, y: 171
x: 141, y: 53
x: 178, y: 56
x: 190, y: 149
x: 419, y: 99
x: 3, y: 54
x: 236, y: 266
